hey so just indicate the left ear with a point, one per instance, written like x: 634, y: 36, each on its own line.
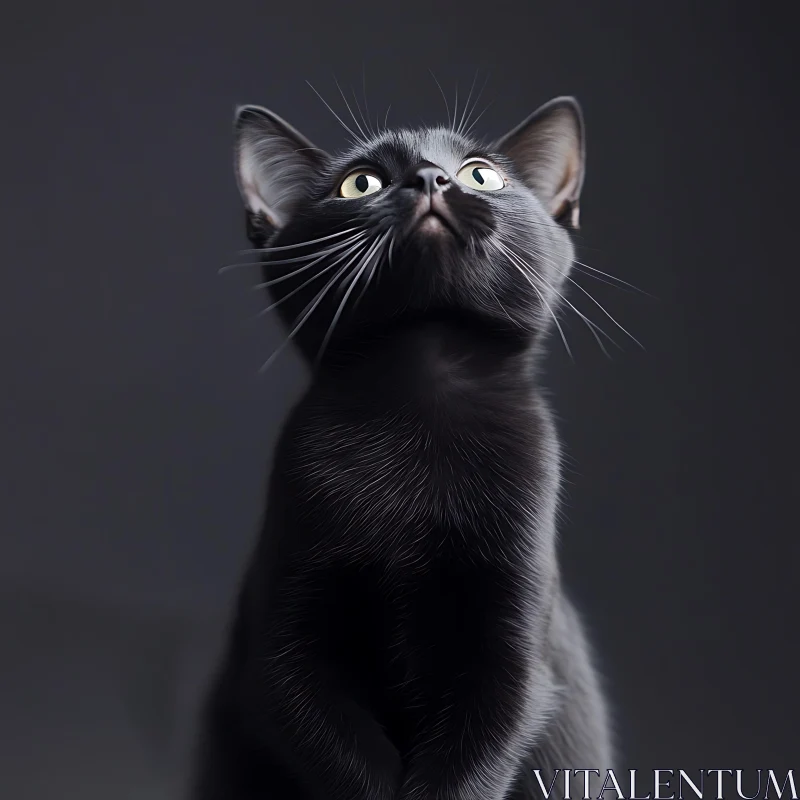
x: 274, y: 164
x: 549, y: 150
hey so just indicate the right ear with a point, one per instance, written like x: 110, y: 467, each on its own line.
x: 550, y: 151
x: 274, y: 164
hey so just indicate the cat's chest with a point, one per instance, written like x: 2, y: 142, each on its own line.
x: 411, y: 469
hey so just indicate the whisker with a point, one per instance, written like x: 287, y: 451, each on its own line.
x: 614, y: 278
x: 475, y: 106
x: 364, y: 119
x: 306, y: 313
x: 477, y: 119
x: 364, y: 90
x: 334, y: 249
x: 593, y: 327
x: 526, y: 216
x: 341, y: 121
x: 541, y: 297
x: 357, y: 271
x: 358, y: 124
x: 375, y: 265
x: 550, y: 311
x: 596, y: 277
x: 626, y: 332
x: 489, y: 288
x: 389, y: 257
x: 303, y: 285
x: 514, y: 324
x: 274, y: 281
x: 444, y: 97
x: 299, y: 244
x: 372, y: 247
x: 466, y: 105
x: 589, y: 295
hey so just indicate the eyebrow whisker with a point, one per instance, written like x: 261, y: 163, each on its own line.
x: 327, y: 105
x: 444, y: 97
x: 466, y: 105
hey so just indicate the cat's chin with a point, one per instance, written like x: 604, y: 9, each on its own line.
x: 433, y: 225
x: 433, y: 233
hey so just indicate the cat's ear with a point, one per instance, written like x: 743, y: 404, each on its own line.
x: 274, y: 163
x: 549, y: 150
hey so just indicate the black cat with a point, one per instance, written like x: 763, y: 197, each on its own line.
x: 402, y: 632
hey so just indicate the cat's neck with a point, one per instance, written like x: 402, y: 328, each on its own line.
x: 439, y: 359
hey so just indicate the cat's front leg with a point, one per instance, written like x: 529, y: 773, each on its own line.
x: 301, y: 709
x: 477, y: 734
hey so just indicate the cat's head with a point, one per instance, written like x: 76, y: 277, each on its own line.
x: 409, y: 223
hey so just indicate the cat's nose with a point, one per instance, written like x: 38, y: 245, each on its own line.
x: 427, y: 179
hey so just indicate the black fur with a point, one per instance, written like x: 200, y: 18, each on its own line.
x: 402, y: 632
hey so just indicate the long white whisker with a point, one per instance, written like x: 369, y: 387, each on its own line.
x: 498, y: 301
x: 615, y: 280
x: 294, y: 273
x: 526, y: 216
x: 364, y: 89
x: 355, y: 136
x: 333, y: 249
x: 352, y: 276
x: 593, y: 327
x: 466, y: 105
x: 306, y: 313
x: 541, y: 297
x: 306, y: 283
x: 375, y: 265
x: 389, y: 256
x: 477, y: 120
x: 358, y: 271
x: 575, y: 283
x: 358, y: 124
x: 577, y: 268
x: 613, y: 277
x: 475, y: 106
x: 444, y: 97
x: 361, y: 113
x: 299, y: 244
x: 580, y: 288
x: 549, y: 309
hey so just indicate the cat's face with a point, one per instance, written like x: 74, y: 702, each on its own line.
x: 413, y: 223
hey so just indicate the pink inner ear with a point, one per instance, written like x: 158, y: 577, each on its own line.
x: 567, y: 191
x: 257, y: 205
x: 548, y: 149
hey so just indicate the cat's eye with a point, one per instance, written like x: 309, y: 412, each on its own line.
x: 481, y: 177
x: 360, y: 184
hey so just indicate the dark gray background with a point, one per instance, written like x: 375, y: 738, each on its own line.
x: 136, y: 431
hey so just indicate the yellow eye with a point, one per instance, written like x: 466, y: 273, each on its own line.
x: 481, y: 177
x: 360, y: 184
